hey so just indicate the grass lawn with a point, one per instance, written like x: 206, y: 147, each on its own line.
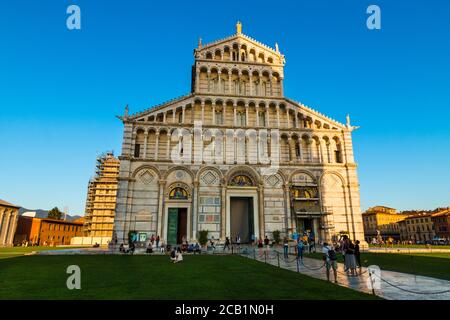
x: 435, y: 265
x: 11, y: 252
x: 154, y: 277
x: 409, y: 246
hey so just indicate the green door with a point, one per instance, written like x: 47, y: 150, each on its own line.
x: 172, y: 226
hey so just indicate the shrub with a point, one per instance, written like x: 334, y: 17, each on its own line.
x: 276, y: 236
x: 203, y: 237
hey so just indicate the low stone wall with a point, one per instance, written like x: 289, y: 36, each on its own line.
x: 81, y: 241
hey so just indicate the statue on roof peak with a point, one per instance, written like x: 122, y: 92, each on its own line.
x: 238, y: 27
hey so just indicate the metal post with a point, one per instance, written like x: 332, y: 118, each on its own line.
x: 298, y: 267
x: 254, y: 253
x: 278, y: 256
x: 371, y: 282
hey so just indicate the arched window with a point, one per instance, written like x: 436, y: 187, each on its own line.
x: 262, y: 119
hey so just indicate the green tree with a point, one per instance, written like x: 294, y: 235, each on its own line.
x: 55, y: 214
x: 276, y: 236
x: 203, y: 237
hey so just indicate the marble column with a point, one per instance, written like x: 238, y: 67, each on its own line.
x: 288, y: 206
x: 262, y: 228
x: 156, y: 145
x: 145, y: 145
x: 160, y: 221
x: 223, y: 222
x: 195, y: 211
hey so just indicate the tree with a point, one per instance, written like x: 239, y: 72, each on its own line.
x: 55, y: 214
x: 203, y: 237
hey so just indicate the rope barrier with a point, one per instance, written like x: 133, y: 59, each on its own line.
x: 407, y: 290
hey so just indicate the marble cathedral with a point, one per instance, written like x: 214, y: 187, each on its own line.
x: 236, y: 157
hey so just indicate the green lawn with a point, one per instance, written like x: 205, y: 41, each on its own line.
x: 11, y: 252
x: 410, y: 246
x: 154, y: 277
x: 435, y: 265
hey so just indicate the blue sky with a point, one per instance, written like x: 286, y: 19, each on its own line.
x: 60, y: 90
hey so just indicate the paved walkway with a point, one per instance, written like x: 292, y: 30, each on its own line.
x: 392, y: 285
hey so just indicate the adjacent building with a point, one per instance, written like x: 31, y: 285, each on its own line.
x: 101, y: 198
x: 441, y: 221
x: 236, y: 157
x: 418, y: 228
x: 47, y: 232
x: 9, y: 214
x: 382, y: 223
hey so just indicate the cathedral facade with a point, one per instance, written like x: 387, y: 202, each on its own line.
x: 236, y: 157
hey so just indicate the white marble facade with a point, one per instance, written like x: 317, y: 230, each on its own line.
x: 236, y: 135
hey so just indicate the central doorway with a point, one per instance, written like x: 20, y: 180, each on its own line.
x: 177, y: 225
x: 241, y: 214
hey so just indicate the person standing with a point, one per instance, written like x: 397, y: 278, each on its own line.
x: 358, y: 255
x: 227, y: 244
x: 157, y: 241
x: 300, y: 247
x: 152, y: 239
x: 330, y: 258
x: 238, y: 242
x: 286, y: 247
x: 350, y: 262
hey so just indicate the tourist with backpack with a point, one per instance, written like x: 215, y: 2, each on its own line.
x: 300, y: 247
x: 330, y: 258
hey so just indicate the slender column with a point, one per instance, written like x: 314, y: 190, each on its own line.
x: 262, y: 228
x: 278, y: 116
x: 2, y: 224
x: 223, y: 222
x: 156, y: 145
x: 160, y: 222
x: 296, y: 119
x: 164, y: 117
x: 208, y: 77
x: 173, y: 115
x: 168, y: 145
x: 281, y: 87
x: 195, y: 210
x: 13, y: 230
x: 257, y: 116
x: 267, y: 117
x: 197, y: 80
x: 246, y: 115
x: 203, y: 112
x: 214, y: 113
x: 291, y: 149
x: 230, y: 89
x: 234, y: 114
x: 5, y: 228
x: 288, y: 207
x: 219, y: 81
x: 183, y: 114
x: 288, y: 118
x: 271, y: 86
x: 145, y: 145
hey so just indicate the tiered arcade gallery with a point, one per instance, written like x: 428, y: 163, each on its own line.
x: 235, y: 157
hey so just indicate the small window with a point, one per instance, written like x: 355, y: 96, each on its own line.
x: 137, y: 150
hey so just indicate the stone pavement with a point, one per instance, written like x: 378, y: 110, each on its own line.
x: 389, y: 284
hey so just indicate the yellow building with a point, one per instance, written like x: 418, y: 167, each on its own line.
x: 382, y: 222
x: 419, y: 228
x: 101, y: 198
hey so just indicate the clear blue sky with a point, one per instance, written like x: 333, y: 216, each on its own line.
x: 60, y: 90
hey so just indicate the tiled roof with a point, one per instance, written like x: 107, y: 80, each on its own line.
x: 5, y: 203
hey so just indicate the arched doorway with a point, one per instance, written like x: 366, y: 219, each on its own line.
x: 242, y: 207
